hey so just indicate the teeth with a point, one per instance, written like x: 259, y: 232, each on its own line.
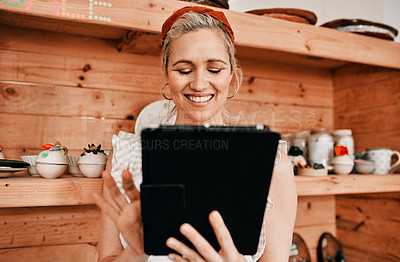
x: 200, y: 99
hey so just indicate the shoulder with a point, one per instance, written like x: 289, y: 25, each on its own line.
x: 283, y: 184
x: 284, y: 167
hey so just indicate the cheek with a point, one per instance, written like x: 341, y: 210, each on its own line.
x: 176, y: 84
x: 223, y: 84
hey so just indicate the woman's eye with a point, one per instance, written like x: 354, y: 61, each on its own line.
x: 214, y: 71
x: 184, y: 72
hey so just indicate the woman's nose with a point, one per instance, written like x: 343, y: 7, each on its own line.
x: 200, y: 81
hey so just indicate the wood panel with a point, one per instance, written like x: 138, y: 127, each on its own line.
x: 369, y: 226
x: 367, y: 100
x: 20, y: 98
x: 77, y: 132
x: 346, y: 184
x: 42, y: 226
x: 32, y: 131
x: 281, y: 118
x: 374, y: 120
x: 359, y: 75
x: 37, y: 191
x: 84, y: 72
x: 22, y: 39
x: 315, y: 216
x: 285, y: 92
x: 390, y: 139
x: 59, y: 253
x: 92, y: 73
x: 285, y: 71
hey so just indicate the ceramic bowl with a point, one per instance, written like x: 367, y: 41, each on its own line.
x: 312, y: 172
x: 51, y: 164
x: 73, y: 167
x: 92, y: 170
x: 50, y: 170
x: 52, y: 157
x: 32, y: 168
x: 90, y: 158
x: 342, y: 169
x: 365, y: 166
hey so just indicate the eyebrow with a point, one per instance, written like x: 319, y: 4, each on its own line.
x: 213, y: 60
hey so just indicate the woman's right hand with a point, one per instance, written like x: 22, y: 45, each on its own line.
x: 126, y: 215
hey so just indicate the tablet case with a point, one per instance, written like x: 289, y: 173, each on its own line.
x: 189, y: 171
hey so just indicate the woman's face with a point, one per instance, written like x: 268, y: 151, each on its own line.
x: 199, y: 74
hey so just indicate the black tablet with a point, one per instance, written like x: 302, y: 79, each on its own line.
x: 189, y: 171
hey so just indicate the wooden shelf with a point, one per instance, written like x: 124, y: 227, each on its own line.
x: 347, y: 184
x: 257, y: 37
x: 33, y: 191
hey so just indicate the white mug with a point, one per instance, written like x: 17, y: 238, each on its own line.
x: 382, y: 158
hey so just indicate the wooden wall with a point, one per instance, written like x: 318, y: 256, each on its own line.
x: 315, y: 215
x: 80, y: 90
x: 367, y: 100
x: 44, y: 234
x: 369, y: 227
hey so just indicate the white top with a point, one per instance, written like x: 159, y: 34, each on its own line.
x: 127, y: 154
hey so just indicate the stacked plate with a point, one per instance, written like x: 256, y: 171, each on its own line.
x: 8, y: 167
x: 214, y: 3
x: 288, y: 14
x: 363, y: 27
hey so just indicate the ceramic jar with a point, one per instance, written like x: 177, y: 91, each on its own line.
x: 320, y: 147
x: 343, y: 137
x: 300, y: 140
x: 342, y: 165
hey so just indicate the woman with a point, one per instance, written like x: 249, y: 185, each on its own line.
x: 199, y: 64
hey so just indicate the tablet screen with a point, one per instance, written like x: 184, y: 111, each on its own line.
x: 189, y: 171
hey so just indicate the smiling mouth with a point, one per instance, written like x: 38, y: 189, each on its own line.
x: 199, y: 99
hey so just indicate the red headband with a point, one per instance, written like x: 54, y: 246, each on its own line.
x: 197, y: 9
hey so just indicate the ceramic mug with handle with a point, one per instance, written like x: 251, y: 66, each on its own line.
x: 382, y: 158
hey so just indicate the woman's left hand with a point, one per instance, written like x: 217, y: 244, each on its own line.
x: 205, y: 252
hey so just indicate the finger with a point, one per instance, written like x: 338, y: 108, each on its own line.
x: 105, y: 207
x: 185, y: 251
x: 129, y: 186
x: 177, y: 258
x: 221, y: 232
x: 116, y: 195
x: 203, y: 247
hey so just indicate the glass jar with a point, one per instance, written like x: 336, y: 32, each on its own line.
x: 300, y: 140
x: 343, y: 137
x: 320, y: 146
x: 288, y: 139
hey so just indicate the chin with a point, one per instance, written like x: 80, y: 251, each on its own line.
x: 199, y: 117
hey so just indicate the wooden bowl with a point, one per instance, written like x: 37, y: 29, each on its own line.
x: 288, y: 14
x: 312, y: 172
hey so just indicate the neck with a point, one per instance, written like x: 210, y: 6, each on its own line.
x: 184, y: 119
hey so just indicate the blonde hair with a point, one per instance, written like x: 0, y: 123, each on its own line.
x: 192, y: 21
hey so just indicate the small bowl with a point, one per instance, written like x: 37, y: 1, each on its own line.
x: 365, y: 166
x: 50, y: 170
x: 33, y: 171
x: 312, y: 172
x: 343, y: 169
x: 32, y: 168
x: 73, y: 167
x: 92, y: 170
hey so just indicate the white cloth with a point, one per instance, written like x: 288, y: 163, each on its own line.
x: 127, y: 154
